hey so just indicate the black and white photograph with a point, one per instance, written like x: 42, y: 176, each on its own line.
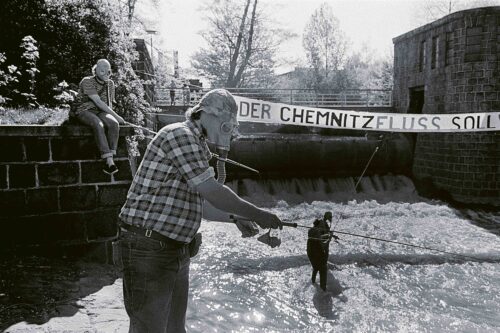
x: 219, y: 166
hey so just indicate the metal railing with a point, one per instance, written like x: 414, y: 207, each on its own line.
x: 303, y: 97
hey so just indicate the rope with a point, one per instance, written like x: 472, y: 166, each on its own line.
x: 410, y: 245
x: 399, y: 243
x: 384, y: 140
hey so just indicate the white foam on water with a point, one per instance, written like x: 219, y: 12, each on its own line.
x: 242, y: 285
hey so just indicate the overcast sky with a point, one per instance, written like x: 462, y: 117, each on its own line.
x: 374, y: 22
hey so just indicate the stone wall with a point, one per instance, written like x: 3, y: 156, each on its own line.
x: 454, y: 62
x: 52, y: 187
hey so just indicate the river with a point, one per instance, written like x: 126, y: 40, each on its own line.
x: 242, y: 285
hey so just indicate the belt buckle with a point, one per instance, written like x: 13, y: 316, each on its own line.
x: 148, y: 233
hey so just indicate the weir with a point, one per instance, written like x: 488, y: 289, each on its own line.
x: 309, y: 155
x: 270, y: 192
x: 278, y: 155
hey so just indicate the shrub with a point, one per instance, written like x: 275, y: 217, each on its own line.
x: 37, y: 116
x: 65, y: 95
x: 72, y: 35
x: 27, y: 82
x: 6, y: 78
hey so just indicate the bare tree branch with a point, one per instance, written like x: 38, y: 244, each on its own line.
x: 242, y: 42
x: 234, y: 59
x: 248, y: 52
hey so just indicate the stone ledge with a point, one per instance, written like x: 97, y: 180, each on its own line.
x: 54, y: 131
x: 48, y: 187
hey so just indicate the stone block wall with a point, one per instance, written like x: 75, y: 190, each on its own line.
x: 455, y: 62
x: 52, y: 187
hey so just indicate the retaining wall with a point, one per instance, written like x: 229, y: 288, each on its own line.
x: 52, y: 187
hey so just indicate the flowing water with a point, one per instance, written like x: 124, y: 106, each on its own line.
x: 242, y: 285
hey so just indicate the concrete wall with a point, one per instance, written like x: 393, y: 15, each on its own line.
x: 460, y: 74
x: 52, y: 188
x: 313, y: 156
x: 278, y: 151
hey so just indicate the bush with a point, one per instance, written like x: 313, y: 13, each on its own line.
x: 72, y: 35
x: 39, y: 116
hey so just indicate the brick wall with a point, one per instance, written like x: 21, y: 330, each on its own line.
x: 52, y: 188
x: 455, y: 60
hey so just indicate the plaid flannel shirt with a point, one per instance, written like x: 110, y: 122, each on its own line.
x: 162, y: 195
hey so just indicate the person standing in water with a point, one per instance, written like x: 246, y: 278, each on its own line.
x: 318, y: 248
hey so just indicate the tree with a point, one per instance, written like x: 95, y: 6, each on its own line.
x: 242, y: 44
x: 363, y: 70
x: 384, y: 74
x: 325, y: 45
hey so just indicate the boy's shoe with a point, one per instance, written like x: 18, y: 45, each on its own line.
x: 110, y: 169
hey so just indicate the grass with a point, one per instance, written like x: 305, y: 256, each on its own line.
x: 39, y: 116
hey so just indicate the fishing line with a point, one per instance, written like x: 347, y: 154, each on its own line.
x: 295, y: 225
x: 395, y: 242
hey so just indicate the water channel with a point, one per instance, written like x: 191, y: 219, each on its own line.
x: 242, y: 285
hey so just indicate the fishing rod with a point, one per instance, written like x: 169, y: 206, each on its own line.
x: 296, y: 225
x: 213, y: 154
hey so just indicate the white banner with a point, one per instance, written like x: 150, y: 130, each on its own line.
x: 253, y: 110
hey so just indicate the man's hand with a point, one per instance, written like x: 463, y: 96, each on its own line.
x: 121, y: 121
x: 247, y: 228
x: 268, y: 220
x: 118, y: 118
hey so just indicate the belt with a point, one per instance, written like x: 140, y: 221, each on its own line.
x: 153, y: 235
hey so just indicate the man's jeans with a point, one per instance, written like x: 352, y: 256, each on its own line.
x: 106, y: 130
x: 155, y: 283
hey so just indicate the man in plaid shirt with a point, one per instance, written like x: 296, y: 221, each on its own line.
x: 163, y: 211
